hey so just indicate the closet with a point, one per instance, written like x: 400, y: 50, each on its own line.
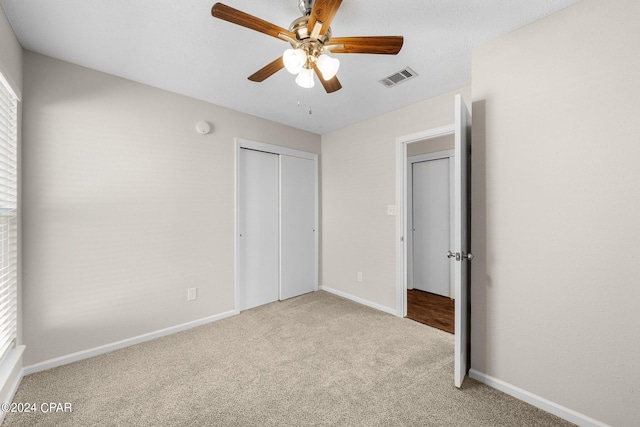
x: 276, y: 223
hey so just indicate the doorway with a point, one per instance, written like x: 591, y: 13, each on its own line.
x: 430, y: 290
x: 459, y: 254
x: 276, y: 223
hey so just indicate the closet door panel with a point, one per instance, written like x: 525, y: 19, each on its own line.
x: 297, y: 223
x: 258, y: 228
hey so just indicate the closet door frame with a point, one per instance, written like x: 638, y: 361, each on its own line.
x: 274, y: 149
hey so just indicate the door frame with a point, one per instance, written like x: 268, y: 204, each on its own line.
x: 274, y: 149
x: 402, y: 207
x: 438, y: 155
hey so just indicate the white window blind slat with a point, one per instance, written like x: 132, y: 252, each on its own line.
x: 6, y: 300
x: 6, y: 347
x: 5, y: 321
x: 8, y: 217
x: 7, y: 328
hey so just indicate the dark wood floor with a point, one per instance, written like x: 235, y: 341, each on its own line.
x: 431, y: 309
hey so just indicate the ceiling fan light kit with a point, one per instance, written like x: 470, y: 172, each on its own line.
x: 294, y: 60
x: 328, y: 66
x: 297, y: 61
x: 305, y: 78
x: 310, y: 38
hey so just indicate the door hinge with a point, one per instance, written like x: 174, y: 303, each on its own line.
x: 460, y: 256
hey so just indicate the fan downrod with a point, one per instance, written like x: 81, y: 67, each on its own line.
x: 305, y: 7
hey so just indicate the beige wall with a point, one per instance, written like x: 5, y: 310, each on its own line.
x: 556, y: 199
x: 126, y: 206
x: 432, y: 145
x: 10, y: 53
x: 358, y: 182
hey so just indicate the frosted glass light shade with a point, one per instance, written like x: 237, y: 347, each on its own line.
x: 305, y: 78
x: 294, y: 59
x: 328, y: 66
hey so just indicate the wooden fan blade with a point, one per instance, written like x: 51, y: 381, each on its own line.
x: 323, y: 11
x: 329, y: 85
x: 238, y: 17
x: 268, y: 70
x: 382, y: 45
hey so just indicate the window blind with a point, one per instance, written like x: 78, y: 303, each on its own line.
x: 8, y: 216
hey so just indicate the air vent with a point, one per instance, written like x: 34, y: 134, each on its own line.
x: 399, y: 77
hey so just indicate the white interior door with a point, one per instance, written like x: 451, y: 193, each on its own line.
x: 461, y: 254
x: 297, y: 225
x: 258, y: 224
x: 431, y: 231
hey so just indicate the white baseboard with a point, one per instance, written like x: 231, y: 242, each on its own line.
x: 537, y: 401
x: 359, y: 300
x: 85, y: 354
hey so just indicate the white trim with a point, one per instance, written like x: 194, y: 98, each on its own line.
x: 359, y: 300
x: 96, y: 351
x: 445, y: 154
x: 274, y: 149
x: 236, y: 231
x: 401, y: 178
x: 316, y: 223
x: 409, y: 235
x: 280, y: 228
x: 428, y: 134
x: 537, y: 401
x: 452, y: 208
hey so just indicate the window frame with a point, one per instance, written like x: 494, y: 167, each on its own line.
x: 9, y: 217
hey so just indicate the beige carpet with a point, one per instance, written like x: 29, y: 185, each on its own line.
x: 313, y: 360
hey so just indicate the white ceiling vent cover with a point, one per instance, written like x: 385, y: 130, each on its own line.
x: 399, y: 77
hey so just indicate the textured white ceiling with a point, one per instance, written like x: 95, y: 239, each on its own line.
x: 180, y: 47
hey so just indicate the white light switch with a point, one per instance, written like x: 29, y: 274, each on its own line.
x: 192, y: 294
x: 391, y: 210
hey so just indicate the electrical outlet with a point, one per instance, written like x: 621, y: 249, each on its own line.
x: 391, y: 210
x: 192, y: 294
x: 359, y: 276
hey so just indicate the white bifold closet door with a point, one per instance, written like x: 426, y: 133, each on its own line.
x: 277, y: 254
x: 259, y: 228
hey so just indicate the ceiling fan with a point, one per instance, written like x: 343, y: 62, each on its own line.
x: 310, y: 38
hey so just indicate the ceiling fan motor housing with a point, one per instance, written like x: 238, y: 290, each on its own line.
x: 313, y: 47
x: 301, y: 30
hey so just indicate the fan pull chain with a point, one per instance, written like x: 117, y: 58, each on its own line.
x: 300, y: 103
